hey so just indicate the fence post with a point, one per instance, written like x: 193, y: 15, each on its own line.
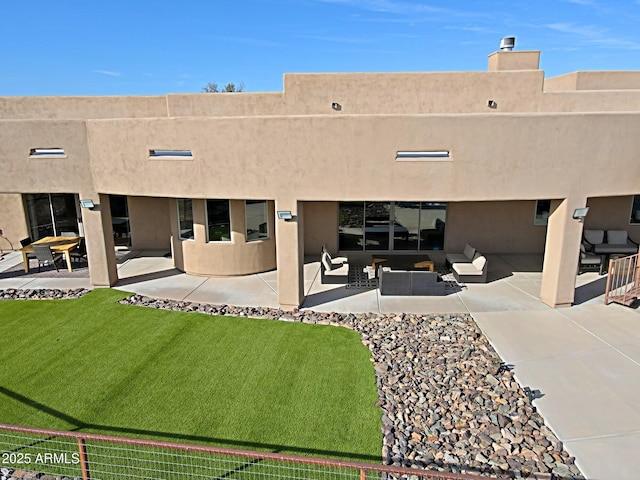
x: 363, y: 474
x: 84, y: 459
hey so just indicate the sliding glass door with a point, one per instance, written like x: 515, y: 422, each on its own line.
x: 51, y: 214
x: 384, y: 226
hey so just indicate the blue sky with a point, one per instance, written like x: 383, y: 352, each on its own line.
x: 138, y: 47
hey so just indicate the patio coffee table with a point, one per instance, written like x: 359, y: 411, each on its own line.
x: 424, y: 264
x: 401, y: 262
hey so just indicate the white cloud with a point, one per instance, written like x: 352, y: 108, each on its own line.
x: 107, y: 72
x: 593, y: 35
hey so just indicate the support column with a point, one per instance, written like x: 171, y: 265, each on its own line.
x: 98, y: 231
x: 290, y: 255
x: 561, y: 253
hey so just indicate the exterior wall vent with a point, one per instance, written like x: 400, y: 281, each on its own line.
x: 507, y: 44
x: 424, y: 155
x: 47, y: 153
x: 171, y: 154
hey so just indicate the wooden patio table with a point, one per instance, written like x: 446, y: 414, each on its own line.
x: 57, y: 245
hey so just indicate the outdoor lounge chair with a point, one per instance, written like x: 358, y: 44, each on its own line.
x: 45, y: 256
x: 588, y: 260
x: 465, y: 257
x: 333, y: 270
x: 474, y: 272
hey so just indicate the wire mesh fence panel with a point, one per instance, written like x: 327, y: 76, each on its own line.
x: 48, y: 454
x: 101, y: 457
x: 110, y: 461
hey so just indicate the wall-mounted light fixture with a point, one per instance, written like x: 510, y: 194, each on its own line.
x: 87, y: 203
x: 580, y: 213
x: 285, y: 215
x: 492, y: 104
x: 336, y: 106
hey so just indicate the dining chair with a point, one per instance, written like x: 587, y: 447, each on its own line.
x: 80, y: 252
x: 45, y: 256
x: 27, y: 241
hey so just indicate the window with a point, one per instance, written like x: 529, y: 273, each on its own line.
x: 49, y: 214
x: 256, y: 220
x: 543, y: 207
x: 425, y: 155
x: 391, y: 226
x: 635, y: 209
x: 120, y: 220
x: 185, y: 218
x: 171, y: 154
x: 47, y: 153
x: 218, y: 221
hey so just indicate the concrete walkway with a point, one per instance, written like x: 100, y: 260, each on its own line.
x: 583, y: 362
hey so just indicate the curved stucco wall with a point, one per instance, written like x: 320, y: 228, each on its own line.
x: 237, y: 257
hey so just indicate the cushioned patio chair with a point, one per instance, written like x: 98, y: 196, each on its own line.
x: 465, y: 257
x: 45, y: 256
x: 588, y: 260
x: 474, y: 272
x: 333, y: 270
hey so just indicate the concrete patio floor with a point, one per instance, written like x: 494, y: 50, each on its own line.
x: 583, y: 362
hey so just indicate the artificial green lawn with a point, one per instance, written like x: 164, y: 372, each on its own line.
x: 93, y: 365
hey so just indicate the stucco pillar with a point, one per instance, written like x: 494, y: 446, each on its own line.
x: 101, y: 255
x: 290, y: 255
x: 561, y: 253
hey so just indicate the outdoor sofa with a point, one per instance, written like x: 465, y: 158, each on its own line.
x: 607, y: 243
x: 409, y: 282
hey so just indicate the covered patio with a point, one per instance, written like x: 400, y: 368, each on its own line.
x: 513, y: 284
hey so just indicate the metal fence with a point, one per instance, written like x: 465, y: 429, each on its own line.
x: 623, y: 281
x: 90, y: 456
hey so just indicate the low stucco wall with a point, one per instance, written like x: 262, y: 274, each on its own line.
x: 237, y: 257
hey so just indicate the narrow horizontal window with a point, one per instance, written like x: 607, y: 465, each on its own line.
x: 423, y: 155
x: 184, y: 154
x: 47, y: 152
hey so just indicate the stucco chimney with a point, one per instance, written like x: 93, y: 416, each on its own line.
x: 507, y: 59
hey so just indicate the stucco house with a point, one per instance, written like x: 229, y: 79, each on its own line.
x: 499, y: 159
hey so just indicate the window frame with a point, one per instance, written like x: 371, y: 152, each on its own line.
x: 635, y: 212
x: 179, y: 219
x: 206, y: 208
x: 266, y: 221
x: 545, y: 221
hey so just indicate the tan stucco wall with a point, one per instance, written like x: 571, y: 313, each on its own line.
x: 13, y: 222
x: 612, y: 213
x: 599, y: 80
x: 22, y: 174
x: 236, y: 257
x: 494, y: 227
x: 149, y: 222
x: 514, y: 60
x: 82, y: 107
x: 493, y: 157
x: 320, y: 227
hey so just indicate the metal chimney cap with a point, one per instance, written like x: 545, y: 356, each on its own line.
x: 507, y: 43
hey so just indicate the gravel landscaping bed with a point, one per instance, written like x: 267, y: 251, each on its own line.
x: 448, y: 401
